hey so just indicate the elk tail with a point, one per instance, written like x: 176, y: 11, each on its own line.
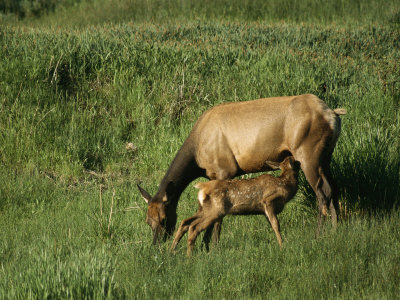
x: 340, y: 111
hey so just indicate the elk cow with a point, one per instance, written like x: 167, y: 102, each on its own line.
x: 238, y: 138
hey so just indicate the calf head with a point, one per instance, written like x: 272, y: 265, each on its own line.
x: 290, y: 163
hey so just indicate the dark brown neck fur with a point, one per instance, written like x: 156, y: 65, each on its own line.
x: 180, y: 173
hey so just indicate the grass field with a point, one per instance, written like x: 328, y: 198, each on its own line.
x: 76, y: 86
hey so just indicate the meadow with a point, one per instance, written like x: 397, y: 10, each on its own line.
x: 82, y: 80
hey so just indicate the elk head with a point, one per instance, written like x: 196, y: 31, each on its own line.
x: 161, y: 215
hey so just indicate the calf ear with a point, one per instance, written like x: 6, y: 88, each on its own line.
x: 146, y: 196
x: 272, y: 164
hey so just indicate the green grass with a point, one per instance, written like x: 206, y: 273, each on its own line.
x: 75, y: 91
x: 89, y: 12
x: 56, y: 251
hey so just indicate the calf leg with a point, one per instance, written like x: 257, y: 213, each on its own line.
x: 212, y: 234
x: 183, y: 228
x: 270, y: 213
x: 225, y: 169
x: 207, y: 236
x: 198, y: 226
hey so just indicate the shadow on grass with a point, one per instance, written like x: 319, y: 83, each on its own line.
x: 370, y: 184
x: 365, y: 186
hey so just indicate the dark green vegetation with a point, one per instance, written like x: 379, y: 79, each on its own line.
x: 89, y: 12
x: 73, y: 97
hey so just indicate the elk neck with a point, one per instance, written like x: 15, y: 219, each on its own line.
x: 180, y: 173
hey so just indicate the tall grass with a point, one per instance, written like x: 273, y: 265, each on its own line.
x: 88, y: 12
x: 73, y: 99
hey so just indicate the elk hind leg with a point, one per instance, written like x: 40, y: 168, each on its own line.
x: 317, y: 180
x: 330, y: 189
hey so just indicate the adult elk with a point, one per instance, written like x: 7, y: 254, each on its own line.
x: 238, y: 138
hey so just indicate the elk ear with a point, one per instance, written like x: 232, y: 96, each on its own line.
x: 146, y: 196
x: 273, y: 165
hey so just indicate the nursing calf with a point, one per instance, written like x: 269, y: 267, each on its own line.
x: 265, y: 194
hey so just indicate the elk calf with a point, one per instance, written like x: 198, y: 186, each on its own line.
x: 265, y: 194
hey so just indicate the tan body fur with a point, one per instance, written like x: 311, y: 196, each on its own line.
x: 265, y: 194
x: 243, y: 135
